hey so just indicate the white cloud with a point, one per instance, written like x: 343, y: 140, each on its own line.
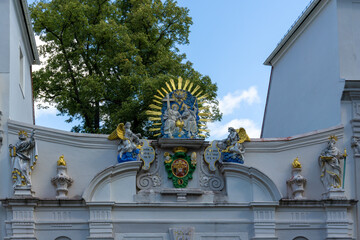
x: 220, y: 131
x: 231, y: 101
x: 50, y: 109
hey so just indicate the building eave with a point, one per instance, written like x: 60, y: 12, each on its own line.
x: 293, y: 30
x: 29, y: 31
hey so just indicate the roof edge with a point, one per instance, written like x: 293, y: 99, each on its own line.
x: 309, y: 8
x: 30, y: 32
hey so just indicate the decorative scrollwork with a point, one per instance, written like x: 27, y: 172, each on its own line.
x: 144, y: 182
x: 216, y: 184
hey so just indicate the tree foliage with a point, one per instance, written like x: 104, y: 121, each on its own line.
x: 106, y: 58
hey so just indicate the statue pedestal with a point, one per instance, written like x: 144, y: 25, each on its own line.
x: 334, y: 193
x: 23, y: 191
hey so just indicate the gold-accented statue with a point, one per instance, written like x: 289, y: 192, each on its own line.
x: 129, y: 144
x: 329, y: 162
x: 23, y: 159
x: 232, y: 147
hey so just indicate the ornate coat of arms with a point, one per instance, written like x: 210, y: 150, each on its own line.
x: 180, y: 167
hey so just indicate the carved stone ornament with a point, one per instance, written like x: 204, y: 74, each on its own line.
x: 184, y: 233
x: 210, y: 180
x: 147, y: 154
x: 212, y: 154
x: 296, y: 184
x: 147, y: 179
x: 355, y: 144
x: 61, y: 181
x: 23, y: 156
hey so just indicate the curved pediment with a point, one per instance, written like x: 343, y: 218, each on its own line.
x: 243, y: 185
x: 248, y: 184
x: 114, y: 184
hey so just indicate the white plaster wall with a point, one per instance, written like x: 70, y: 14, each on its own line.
x: 87, y: 155
x: 349, y: 38
x: 4, y: 36
x: 20, y: 101
x: 305, y: 87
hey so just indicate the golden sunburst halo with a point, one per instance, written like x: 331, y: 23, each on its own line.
x: 155, y: 108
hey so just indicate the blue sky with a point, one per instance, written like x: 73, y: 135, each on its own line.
x: 229, y: 41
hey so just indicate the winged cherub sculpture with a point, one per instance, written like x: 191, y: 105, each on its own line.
x: 129, y: 142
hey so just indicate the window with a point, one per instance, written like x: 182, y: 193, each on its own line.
x: 21, y: 73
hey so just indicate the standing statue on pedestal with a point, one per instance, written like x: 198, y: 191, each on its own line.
x: 128, y: 148
x: 23, y: 158
x: 232, y: 147
x: 329, y: 162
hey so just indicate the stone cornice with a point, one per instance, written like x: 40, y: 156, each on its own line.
x: 83, y: 140
x: 298, y: 141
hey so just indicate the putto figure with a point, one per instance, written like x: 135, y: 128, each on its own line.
x: 232, y: 147
x: 23, y: 158
x: 129, y: 144
x: 329, y: 162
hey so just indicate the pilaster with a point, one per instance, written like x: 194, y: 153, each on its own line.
x: 20, y: 222
x: 264, y: 223
x: 337, y: 223
x: 100, y: 223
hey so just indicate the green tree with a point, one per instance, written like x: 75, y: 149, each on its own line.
x: 107, y: 58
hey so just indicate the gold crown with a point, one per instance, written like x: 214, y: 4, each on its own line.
x: 22, y: 132
x: 180, y: 149
x: 333, y: 137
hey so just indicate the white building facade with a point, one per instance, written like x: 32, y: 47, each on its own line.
x: 281, y: 191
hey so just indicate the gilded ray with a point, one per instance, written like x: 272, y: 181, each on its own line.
x: 204, y: 120
x: 201, y: 135
x: 203, y: 96
x: 161, y: 94
x: 156, y: 96
x: 190, y: 87
x: 180, y: 83
x: 153, y: 106
x: 154, y: 119
x: 186, y: 84
x: 155, y: 135
x: 201, y: 125
x: 149, y: 112
x: 197, y: 95
x: 173, y: 84
x: 154, y: 129
x: 204, y: 130
x: 166, y: 92
x: 157, y: 124
x: 156, y: 101
x: 168, y: 86
x: 204, y: 108
x: 194, y: 91
x: 205, y: 114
